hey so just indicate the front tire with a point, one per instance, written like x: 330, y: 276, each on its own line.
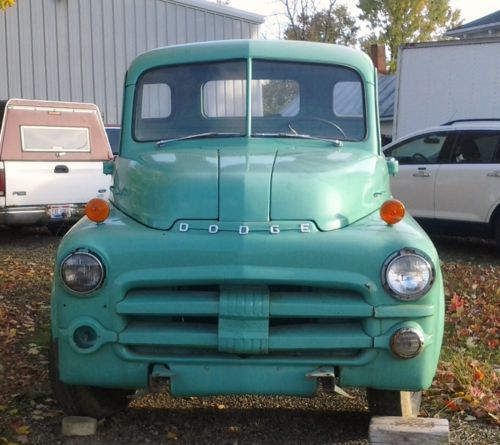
x: 393, y: 403
x: 79, y: 400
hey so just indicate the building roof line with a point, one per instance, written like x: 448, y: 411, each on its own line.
x: 488, y: 21
x: 220, y: 9
x: 470, y: 29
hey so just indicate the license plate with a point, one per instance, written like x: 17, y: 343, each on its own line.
x: 60, y: 212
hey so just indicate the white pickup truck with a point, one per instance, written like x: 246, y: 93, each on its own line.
x: 51, y: 161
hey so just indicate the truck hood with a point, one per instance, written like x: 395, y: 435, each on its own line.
x: 330, y: 186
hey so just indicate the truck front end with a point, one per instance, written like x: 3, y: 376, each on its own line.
x: 252, y: 246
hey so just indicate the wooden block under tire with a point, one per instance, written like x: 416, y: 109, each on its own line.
x: 409, y: 430
x: 79, y: 426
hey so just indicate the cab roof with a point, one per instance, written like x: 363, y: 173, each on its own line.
x: 279, y: 50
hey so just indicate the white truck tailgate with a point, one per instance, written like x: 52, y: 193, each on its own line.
x: 34, y: 183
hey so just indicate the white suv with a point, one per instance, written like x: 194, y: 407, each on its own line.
x: 449, y: 177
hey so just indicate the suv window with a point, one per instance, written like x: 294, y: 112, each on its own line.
x: 424, y: 149
x: 476, y: 147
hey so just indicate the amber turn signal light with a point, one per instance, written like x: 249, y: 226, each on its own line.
x: 392, y: 211
x: 97, y: 210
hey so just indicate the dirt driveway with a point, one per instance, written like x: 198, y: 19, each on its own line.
x: 29, y: 415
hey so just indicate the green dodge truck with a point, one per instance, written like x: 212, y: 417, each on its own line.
x: 250, y: 245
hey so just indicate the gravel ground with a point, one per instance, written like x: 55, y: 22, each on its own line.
x: 159, y: 419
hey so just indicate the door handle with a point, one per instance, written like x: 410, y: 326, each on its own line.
x: 61, y: 169
x: 421, y: 175
x: 494, y: 174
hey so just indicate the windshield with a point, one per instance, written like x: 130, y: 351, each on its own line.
x: 287, y: 99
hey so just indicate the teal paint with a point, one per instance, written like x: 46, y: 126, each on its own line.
x: 244, y: 319
x: 242, y: 264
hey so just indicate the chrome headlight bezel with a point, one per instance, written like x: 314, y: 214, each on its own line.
x: 395, y: 259
x: 416, y: 336
x: 97, y: 263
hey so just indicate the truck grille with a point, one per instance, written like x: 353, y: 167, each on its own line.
x: 244, y: 320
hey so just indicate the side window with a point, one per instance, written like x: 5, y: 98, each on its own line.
x: 348, y: 99
x: 426, y: 149
x: 156, y: 101
x: 476, y: 147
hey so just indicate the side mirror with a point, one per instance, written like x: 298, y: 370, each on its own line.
x: 108, y: 167
x: 392, y: 166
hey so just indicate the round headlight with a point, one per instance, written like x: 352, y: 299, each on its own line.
x: 407, y: 342
x: 408, y: 275
x: 82, y: 272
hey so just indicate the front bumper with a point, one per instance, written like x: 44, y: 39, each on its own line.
x: 254, y: 314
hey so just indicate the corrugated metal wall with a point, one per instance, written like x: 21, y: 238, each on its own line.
x: 79, y: 50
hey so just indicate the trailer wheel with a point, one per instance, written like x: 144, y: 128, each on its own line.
x: 393, y: 403
x: 79, y: 400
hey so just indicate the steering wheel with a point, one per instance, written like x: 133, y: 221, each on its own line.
x: 315, y: 119
x: 419, y: 157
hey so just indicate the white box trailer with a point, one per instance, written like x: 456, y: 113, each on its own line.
x: 442, y: 81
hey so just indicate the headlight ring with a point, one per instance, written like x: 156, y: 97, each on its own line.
x: 408, y: 274
x: 407, y: 342
x: 82, y: 272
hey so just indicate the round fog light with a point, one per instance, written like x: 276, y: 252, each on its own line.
x: 407, y: 342
x: 85, y: 337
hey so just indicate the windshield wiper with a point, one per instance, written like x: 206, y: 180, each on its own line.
x: 336, y: 142
x: 209, y: 134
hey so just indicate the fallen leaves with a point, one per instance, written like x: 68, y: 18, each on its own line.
x: 172, y: 435
x: 33, y: 349
x: 456, y: 306
x: 22, y: 430
x: 467, y: 379
x: 24, y: 307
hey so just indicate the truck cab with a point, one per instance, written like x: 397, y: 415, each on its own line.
x: 250, y: 244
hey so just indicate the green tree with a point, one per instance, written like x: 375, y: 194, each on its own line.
x: 332, y: 24
x: 396, y: 22
x: 4, y: 4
